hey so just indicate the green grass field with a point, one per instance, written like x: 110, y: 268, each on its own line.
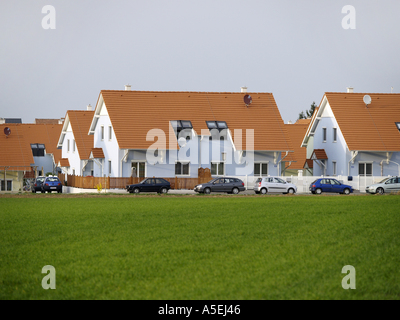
x: 199, y: 247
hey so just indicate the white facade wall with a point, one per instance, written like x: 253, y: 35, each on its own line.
x: 73, y: 156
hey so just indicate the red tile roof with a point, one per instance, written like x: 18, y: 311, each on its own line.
x: 64, y: 162
x: 80, y: 122
x: 296, y: 133
x: 25, y: 135
x: 134, y: 113
x: 97, y: 153
x: 319, y: 154
x: 367, y: 128
x: 15, y: 150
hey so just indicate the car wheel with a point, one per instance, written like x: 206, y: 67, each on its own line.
x: 136, y: 190
x: 264, y: 191
x: 380, y: 191
x: 291, y: 191
x: 318, y: 191
x: 346, y: 191
x: 207, y: 190
x: 163, y: 190
x: 235, y: 190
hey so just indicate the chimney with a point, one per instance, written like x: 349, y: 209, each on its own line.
x: 89, y: 108
x: 127, y: 87
x: 349, y: 89
x: 2, y: 120
x: 243, y: 89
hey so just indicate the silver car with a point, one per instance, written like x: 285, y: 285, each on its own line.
x: 273, y: 184
x: 387, y: 185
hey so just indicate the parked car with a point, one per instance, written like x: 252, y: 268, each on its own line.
x: 37, y: 184
x: 387, y: 185
x: 150, y: 185
x: 273, y: 184
x: 225, y: 184
x: 52, y: 184
x: 329, y: 185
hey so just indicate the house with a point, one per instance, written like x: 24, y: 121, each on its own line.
x: 75, y: 143
x: 355, y: 134
x: 167, y: 134
x: 294, y: 162
x: 27, y: 151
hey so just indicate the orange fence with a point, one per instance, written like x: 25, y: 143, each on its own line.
x: 120, y: 183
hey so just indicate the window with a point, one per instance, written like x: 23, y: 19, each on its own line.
x: 398, y: 125
x: 334, y: 134
x: 260, y: 169
x: 219, y: 125
x: 37, y: 149
x: 138, y: 169
x: 102, y: 133
x: 73, y: 145
x: 109, y: 133
x: 217, y: 168
x: 324, y: 134
x: 9, y: 185
x: 180, y: 125
x: 334, y: 167
x: 73, y: 172
x: 68, y: 145
x: 109, y: 167
x: 182, y: 168
x: 365, y: 169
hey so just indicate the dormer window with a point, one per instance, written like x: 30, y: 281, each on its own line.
x: 37, y: 149
x: 219, y: 125
x: 182, y: 125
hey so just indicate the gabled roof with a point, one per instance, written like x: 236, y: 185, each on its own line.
x: 319, y: 154
x: 97, y: 153
x: 64, y: 162
x: 134, y: 113
x: 80, y: 123
x: 46, y: 134
x: 296, y: 133
x: 15, y: 150
x: 365, y: 128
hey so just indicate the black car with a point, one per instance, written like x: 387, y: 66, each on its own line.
x: 52, y: 184
x: 37, y: 184
x: 150, y: 185
x: 226, y: 184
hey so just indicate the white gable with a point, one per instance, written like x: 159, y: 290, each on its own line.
x: 103, y: 110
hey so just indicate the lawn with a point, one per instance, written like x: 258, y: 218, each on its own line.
x: 199, y: 247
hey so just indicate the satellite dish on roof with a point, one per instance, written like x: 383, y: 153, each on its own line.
x: 7, y: 131
x: 247, y: 100
x: 367, y: 100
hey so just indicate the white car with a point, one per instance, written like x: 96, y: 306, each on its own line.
x: 387, y: 185
x: 273, y: 184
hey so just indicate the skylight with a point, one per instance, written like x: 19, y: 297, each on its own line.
x: 219, y: 125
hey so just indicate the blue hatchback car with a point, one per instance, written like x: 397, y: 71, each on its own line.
x: 329, y: 185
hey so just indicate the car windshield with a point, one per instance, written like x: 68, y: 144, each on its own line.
x: 280, y: 180
x: 383, y: 180
x: 52, y: 179
x: 143, y: 181
x: 41, y: 179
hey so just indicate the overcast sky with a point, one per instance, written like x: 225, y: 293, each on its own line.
x: 296, y: 49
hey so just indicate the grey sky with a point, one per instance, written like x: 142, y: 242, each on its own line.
x: 295, y: 49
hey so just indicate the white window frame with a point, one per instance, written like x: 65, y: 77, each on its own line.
x: 102, y: 133
x: 67, y: 145
x: 109, y: 133
x: 109, y: 167
x: 73, y: 171
x: 218, y: 163
x: 145, y: 167
x: 334, y: 134
x: 182, y: 162
x: 324, y: 134
x: 73, y: 145
x: 261, y: 163
x: 334, y: 168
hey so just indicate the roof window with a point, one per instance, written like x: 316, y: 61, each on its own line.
x: 182, y: 125
x: 219, y: 125
x: 37, y: 149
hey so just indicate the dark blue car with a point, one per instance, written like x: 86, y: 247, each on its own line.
x: 329, y: 185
